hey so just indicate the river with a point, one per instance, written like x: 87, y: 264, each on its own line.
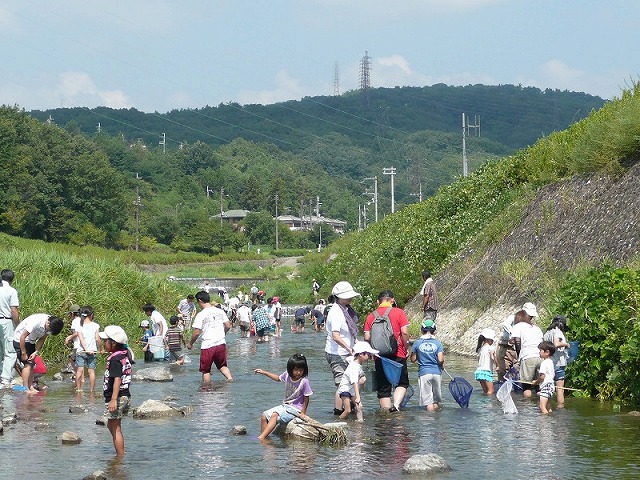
x: 585, y: 440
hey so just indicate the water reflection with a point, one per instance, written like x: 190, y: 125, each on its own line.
x: 586, y: 439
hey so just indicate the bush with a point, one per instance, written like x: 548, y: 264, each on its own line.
x: 602, y: 307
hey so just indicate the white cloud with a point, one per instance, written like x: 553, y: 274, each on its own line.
x: 396, y: 61
x: 77, y: 88
x: 287, y: 88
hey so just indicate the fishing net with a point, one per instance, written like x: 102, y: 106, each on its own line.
x: 504, y: 396
x: 461, y: 391
x: 392, y: 370
x: 407, y: 396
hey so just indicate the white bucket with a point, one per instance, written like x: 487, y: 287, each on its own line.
x: 156, y: 345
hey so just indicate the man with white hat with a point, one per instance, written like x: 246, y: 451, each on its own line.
x: 342, y: 330
x: 526, y: 336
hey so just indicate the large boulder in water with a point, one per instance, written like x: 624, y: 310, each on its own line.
x: 332, y: 433
x: 154, y: 374
x: 156, y: 409
x: 429, y: 463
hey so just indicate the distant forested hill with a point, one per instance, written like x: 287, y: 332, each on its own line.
x: 510, y: 115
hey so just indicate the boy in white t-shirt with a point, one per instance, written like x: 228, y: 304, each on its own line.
x: 546, y: 376
x: 351, y: 382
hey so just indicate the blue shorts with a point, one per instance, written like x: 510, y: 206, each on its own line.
x: 484, y: 375
x: 286, y: 413
x: 559, y: 373
x: 84, y: 359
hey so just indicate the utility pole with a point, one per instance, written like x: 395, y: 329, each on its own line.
x: 221, y: 204
x: 163, y: 142
x: 99, y: 128
x: 137, y: 204
x: 465, y: 132
x: 209, y: 190
x: 375, y: 195
x: 391, y: 171
x: 276, y: 197
x: 419, y: 194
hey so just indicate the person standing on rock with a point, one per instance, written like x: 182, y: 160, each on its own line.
x: 211, y: 324
x: 429, y: 294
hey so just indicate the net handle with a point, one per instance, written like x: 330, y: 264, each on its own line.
x: 445, y: 371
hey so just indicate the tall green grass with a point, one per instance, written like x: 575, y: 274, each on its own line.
x: 49, y: 281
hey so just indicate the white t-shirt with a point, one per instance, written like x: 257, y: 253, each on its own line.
x: 244, y: 314
x: 546, y: 368
x: 34, y: 324
x: 350, y: 377
x: 156, y: 320
x: 89, y: 330
x: 75, y: 327
x: 8, y: 299
x: 485, y: 362
x: 336, y: 323
x: 530, y: 337
x: 210, y: 321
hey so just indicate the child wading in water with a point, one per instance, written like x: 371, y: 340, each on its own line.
x: 296, y: 395
x: 429, y: 353
x: 117, y: 377
x: 349, y: 388
x: 486, y: 361
x: 546, y: 376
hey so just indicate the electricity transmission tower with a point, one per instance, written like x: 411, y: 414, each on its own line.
x: 365, y: 77
x: 336, y: 81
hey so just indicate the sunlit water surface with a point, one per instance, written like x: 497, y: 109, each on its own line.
x: 585, y: 440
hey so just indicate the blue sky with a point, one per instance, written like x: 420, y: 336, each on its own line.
x: 157, y: 55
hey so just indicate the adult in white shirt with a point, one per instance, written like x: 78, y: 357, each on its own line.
x: 158, y: 322
x: 526, y: 337
x: 9, y: 317
x: 342, y: 330
x: 211, y: 325
x: 28, y: 339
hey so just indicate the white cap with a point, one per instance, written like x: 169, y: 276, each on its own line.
x: 144, y: 323
x: 488, y: 334
x: 344, y: 290
x: 115, y: 333
x: 530, y: 309
x: 364, y: 347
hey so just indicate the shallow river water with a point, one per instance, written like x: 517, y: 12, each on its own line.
x: 585, y: 440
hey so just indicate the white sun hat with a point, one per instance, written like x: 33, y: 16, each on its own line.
x: 115, y: 333
x: 344, y: 290
x: 530, y: 309
x: 364, y: 347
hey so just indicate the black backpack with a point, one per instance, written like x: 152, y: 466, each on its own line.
x: 382, y: 337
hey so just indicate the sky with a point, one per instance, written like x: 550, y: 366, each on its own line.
x: 161, y: 55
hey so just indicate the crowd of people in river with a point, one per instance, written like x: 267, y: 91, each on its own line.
x: 522, y: 352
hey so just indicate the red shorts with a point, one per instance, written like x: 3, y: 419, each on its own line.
x: 216, y: 354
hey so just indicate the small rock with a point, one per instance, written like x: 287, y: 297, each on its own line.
x: 428, y: 463
x: 58, y: 377
x: 101, y: 421
x: 78, y: 409
x: 42, y: 426
x: 634, y: 413
x: 97, y: 475
x: 238, y: 430
x: 10, y: 419
x: 70, y: 438
x: 154, y: 374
